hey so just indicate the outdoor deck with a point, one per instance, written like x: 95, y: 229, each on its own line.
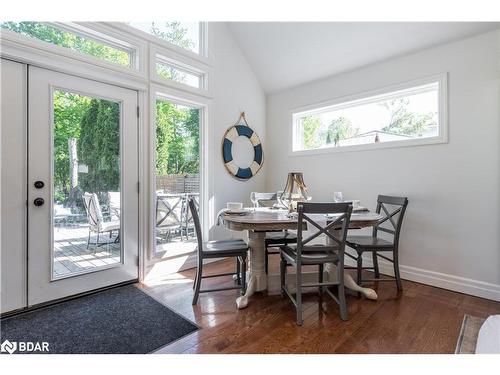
x: 71, y: 254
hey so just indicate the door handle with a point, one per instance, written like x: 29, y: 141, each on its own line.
x: 38, y: 202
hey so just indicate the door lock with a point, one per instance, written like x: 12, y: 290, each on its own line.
x: 38, y: 202
x: 39, y: 184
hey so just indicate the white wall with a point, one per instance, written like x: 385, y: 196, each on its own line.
x: 450, y: 234
x: 236, y: 89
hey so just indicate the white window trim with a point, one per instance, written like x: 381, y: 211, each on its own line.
x: 203, y: 57
x: 184, y: 63
x: 20, y: 44
x: 441, y: 79
x: 180, y: 97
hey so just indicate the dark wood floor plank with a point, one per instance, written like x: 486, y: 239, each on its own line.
x: 421, y: 319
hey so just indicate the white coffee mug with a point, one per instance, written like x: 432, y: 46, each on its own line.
x: 234, y: 206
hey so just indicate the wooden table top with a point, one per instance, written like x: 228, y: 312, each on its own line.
x: 274, y: 219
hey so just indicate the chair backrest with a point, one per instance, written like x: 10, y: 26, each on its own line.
x: 266, y: 199
x: 394, y: 210
x: 187, y: 217
x: 197, y: 227
x: 114, y: 204
x: 169, y: 210
x: 93, y: 209
x: 333, y: 227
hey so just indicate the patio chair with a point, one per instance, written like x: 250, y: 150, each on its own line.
x: 169, y: 213
x: 114, y: 204
x: 96, y: 221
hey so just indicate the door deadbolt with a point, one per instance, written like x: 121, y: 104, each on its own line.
x: 38, y: 202
x: 39, y: 184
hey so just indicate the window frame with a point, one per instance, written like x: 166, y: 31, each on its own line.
x: 183, y: 63
x: 441, y: 80
x: 203, y: 57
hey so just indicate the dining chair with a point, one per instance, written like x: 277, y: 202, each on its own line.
x: 275, y: 238
x: 305, y: 253
x: 393, y: 209
x: 217, y: 249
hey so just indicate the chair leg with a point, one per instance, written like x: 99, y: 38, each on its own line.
x: 238, y: 271
x: 243, y: 275
x: 199, y: 273
x: 375, y: 264
x: 195, y: 277
x: 282, y: 275
x: 359, y: 270
x: 320, y: 276
x: 396, y: 270
x: 266, y: 261
x: 88, y: 240
x: 298, y: 295
x: 341, y: 297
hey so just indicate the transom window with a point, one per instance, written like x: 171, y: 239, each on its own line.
x: 412, y: 115
x: 78, y: 39
x: 182, y: 34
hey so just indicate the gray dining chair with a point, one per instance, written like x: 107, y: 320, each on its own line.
x: 276, y: 238
x: 393, y: 209
x: 217, y: 249
x: 305, y: 253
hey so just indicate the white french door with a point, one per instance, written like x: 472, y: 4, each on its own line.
x: 82, y: 185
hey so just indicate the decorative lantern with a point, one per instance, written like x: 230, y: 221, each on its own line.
x: 295, y: 191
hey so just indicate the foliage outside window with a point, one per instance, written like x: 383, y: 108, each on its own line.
x: 178, y: 75
x: 78, y: 43
x: 182, y: 34
x: 403, y: 115
x: 177, y: 139
x: 94, y: 125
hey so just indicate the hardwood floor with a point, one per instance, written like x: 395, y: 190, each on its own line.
x: 422, y: 319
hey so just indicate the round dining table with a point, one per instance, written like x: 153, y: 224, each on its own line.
x: 262, y: 219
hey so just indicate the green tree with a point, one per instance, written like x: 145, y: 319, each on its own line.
x: 340, y: 128
x: 99, y: 147
x: 310, y: 129
x: 403, y: 121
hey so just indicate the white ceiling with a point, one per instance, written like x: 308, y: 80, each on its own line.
x: 286, y: 54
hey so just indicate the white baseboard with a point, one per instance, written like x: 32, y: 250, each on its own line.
x: 440, y: 280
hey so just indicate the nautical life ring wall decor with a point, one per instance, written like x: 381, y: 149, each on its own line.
x: 227, y: 150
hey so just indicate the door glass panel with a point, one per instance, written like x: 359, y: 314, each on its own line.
x: 177, y: 177
x: 86, y: 184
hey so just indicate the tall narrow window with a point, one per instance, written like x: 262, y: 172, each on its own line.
x: 177, y: 176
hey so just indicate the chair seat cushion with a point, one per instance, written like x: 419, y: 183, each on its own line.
x: 225, y: 248
x: 312, y: 255
x: 280, y: 238
x: 368, y: 242
x: 110, y: 225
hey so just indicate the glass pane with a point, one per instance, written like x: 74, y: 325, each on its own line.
x: 182, y: 34
x: 177, y: 176
x: 86, y: 184
x: 74, y: 42
x: 408, y: 115
x: 174, y: 74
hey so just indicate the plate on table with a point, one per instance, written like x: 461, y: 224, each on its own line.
x: 242, y: 211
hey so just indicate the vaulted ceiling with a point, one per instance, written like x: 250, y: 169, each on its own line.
x: 286, y: 54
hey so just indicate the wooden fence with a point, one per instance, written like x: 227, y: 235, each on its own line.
x: 178, y: 183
